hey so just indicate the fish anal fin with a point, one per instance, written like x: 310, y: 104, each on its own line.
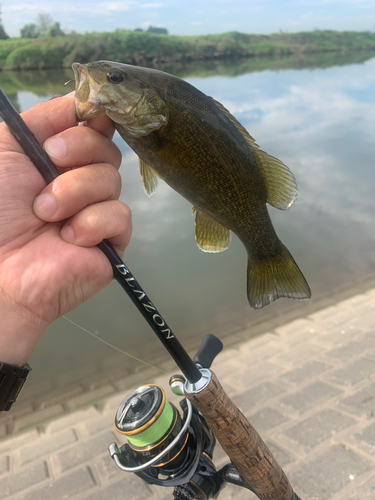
x: 274, y: 278
x: 149, y: 178
x: 209, y: 234
x: 280, y: 182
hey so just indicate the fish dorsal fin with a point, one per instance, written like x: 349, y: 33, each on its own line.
x: 209, y: 234
x: 280, y: 182
x: 149, y: 178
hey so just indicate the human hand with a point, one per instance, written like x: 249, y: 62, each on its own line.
x: 48, y: 260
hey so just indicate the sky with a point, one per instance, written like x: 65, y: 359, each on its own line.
x: 194, y: 17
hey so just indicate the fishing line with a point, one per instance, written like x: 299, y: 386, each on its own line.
x: 113, y: 346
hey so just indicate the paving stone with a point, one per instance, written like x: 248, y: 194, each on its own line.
x: 85, y: 450
x: 3, y: 431
x: 294, y: 328
x: 131, y: 487
x: 309, y: 396
x: 13, y: 442
x: 366, y: 491
x: 355, y: 372
x: 325, y: 314
x: 46, y: 446
x: 349, y: 350
x: 64, y: 487
x: 282, y: 456
x: 90, y: 397
x: 367, y: 435
x: 34, y: 418
x: 266, y: 419
x: 104, y: 422
x: 4, y: 465
x: 58, y: 397
x: 370, y: 337
x: 319, y: 427
x: 298, y: 354
x: 252, y: 375
x: 228, y: 368
x: 362, y: 402
x: 327, y: 474
x: 31, y: 476
x: 249, y: 399
x: 71, y: 420
x: 107, y: 469
x: 256, y: 342
x: 340, y: 337
x: 308, y: 371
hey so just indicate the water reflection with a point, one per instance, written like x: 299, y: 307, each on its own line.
x: 319, y: 121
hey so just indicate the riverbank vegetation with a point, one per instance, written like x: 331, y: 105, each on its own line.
x: 155, y: 50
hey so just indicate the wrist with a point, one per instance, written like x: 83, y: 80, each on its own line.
x: 19, y: 335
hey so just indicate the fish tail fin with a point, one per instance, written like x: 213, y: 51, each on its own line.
x: 273, y: 278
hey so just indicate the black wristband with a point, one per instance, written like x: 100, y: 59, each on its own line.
x: 12, y: 379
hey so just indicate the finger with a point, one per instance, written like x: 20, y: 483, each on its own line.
x: 51, y: 117
x: 103, y: 125
x: 47, y: 119
x: 107, y: 220
x: 74, y: 190
x: 79, y: 146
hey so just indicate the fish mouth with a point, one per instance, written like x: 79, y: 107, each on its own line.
x: 86, y: 95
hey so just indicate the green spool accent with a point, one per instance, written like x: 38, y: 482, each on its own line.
x: 156, y: 431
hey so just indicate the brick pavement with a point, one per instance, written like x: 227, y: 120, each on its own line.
x: 308, y: 387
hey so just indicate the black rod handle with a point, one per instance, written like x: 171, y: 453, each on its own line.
x: 123, y: 276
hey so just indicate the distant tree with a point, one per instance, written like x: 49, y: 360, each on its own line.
x: 29, y: 31
x: 138, y: 29
x: 53, y: 31
x: 44, y: 22
x: 157, y: 31
x: 3, y: 35
x: 44, y: 27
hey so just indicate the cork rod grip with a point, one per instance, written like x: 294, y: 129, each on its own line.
x: 242, y: 443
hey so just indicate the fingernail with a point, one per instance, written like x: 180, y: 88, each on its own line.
x: 56, y: 147
x: 67, y: 234
x: 45, y: 205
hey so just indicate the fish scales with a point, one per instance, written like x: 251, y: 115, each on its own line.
x: 197, y: 147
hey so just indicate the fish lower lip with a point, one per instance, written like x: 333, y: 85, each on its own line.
x: 87, y: 110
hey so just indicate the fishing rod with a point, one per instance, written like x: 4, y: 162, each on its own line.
x: 253, y: 465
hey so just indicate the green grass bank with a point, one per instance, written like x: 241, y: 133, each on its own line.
x: 157, y: 50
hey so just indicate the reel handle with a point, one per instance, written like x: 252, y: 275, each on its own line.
x: 241, y: 442
x: 208, y: 350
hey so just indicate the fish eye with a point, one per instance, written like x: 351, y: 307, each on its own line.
x: 115, y: 76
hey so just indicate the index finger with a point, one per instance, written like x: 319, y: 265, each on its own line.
x: 51, y: 117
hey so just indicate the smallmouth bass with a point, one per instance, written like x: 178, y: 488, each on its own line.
x: 197, y: 147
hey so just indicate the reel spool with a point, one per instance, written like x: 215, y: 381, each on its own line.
x: 151, y: 424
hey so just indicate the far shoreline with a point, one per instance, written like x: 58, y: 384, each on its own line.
x: 156, y: 50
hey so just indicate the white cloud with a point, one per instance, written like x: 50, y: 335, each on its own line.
x: 151, y: 6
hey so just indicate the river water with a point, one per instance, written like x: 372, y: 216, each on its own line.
x: 317, y: 116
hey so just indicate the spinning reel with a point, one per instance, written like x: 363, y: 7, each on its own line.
x: 167, y: 448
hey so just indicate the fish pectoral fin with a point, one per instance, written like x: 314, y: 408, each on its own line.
x: 280, y: 182
x: 149, y: 178
x: 209, y: 234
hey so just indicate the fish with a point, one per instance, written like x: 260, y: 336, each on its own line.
x: 200, y: 150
